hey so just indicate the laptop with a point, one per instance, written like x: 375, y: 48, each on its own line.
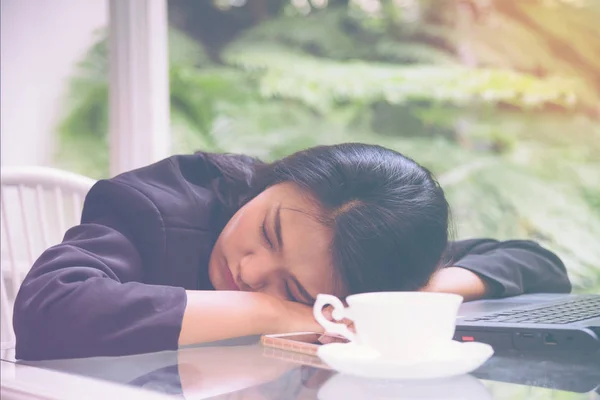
x: 533, y: 322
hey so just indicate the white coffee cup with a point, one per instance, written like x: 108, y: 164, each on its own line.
x: 398, y: 325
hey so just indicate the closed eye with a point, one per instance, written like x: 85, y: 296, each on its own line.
x: 290, y: 294
x: 304, y: 295
x: 303, y: 298
x: 265, y: 235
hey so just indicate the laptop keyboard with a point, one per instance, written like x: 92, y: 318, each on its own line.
x: 582, y: 308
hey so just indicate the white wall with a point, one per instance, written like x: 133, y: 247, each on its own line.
x: 41, y: 41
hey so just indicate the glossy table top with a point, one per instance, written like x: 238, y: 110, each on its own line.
x: 244, y: 369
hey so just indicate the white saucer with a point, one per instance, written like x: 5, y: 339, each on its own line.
x: 456, y: 358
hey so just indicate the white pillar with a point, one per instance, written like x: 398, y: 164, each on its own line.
x: 139, y: 83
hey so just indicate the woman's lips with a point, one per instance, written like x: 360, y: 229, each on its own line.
x: 229, y: 277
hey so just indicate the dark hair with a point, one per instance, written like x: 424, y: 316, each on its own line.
x: 388, y: 214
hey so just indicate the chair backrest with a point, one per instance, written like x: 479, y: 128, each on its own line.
x: 38, y: 205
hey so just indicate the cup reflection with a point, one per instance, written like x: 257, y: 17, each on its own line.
x: 347, y: 387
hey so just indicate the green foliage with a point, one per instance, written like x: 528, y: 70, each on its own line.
x: 322, y: 84
x: 546, y: 38
x: 87, y: 97
x: 199, y: 97
x: 335, y: 34
x: 321, y: 33
x: 406, y: 52
x: 196, y: 98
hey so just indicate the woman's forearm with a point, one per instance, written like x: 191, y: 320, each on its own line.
x: 459, y: 281
x: 219, y: 315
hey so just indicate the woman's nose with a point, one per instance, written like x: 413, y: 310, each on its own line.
x: 260, y: 273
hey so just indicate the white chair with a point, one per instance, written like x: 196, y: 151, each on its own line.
x: 38, y: 205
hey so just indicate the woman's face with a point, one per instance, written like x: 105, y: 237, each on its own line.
x: 274, y: 245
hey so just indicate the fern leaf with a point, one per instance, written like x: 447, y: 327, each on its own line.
x: 322, y: 84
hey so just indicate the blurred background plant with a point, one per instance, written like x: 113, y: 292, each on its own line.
x: 499, y: 98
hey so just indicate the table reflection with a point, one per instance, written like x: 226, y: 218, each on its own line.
x: 464, y: 387
x: 249, y: 371
x: 253, y: 372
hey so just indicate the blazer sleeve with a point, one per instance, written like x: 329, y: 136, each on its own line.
x: 511, y: 267
x: 87, y: 297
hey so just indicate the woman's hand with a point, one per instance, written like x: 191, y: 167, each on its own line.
x: 459, y: 281
x: 296, y: 317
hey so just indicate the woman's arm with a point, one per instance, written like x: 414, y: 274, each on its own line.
x: 85, y: 297
x: 218, y: 315
x: 481, y: 268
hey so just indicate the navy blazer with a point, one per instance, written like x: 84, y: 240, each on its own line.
x: 116, y: 284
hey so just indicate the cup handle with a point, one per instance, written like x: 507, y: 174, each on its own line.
x: 339, y: 312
